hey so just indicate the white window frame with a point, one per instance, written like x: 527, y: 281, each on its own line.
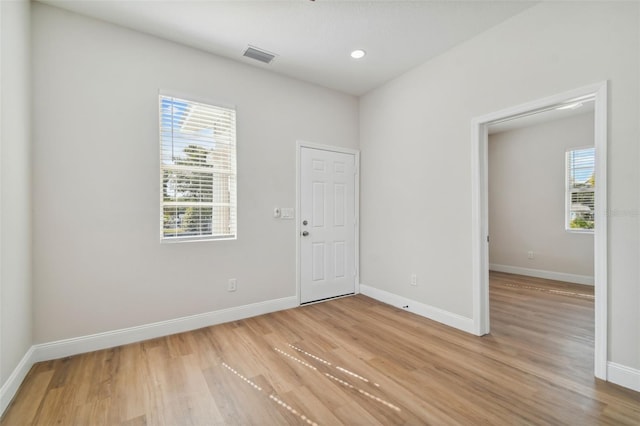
x: 232, y: 204
x: 569, y: 191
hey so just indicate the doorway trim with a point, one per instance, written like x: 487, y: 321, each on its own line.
x: 299, y: 146
x: 480, y: 212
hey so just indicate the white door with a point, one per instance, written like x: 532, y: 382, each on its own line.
x: 327, y: 224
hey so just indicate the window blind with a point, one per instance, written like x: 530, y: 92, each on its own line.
x: 198, y: 170
x: 580, y: 189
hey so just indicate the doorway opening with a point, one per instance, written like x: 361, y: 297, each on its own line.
x: 480, y: 214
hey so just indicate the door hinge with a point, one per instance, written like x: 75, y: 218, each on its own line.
x: 487, y: 238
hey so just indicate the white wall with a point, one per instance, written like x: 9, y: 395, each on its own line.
x: 15, y: 181
x: 416, y: 152
x: 98, y: 263
x: 527, y: 198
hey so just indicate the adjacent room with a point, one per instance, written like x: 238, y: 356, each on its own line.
x: 319, y: 212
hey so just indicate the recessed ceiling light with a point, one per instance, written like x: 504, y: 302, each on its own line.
x: 357, y: 54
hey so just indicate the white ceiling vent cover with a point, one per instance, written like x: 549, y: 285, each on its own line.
x: 259, y: 54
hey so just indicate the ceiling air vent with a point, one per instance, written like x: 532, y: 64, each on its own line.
x: 259, y: 55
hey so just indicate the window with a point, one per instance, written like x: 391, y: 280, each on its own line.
x: 581, y: 181
x: 198, y: 170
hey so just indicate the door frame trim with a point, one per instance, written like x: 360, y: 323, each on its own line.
x: 300, y: 144
x: 480, y: 224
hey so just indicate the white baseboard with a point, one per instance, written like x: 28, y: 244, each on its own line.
x: 624, y: 376
x: 427, y: 311
x: 10, y: 387
x: 540, y: 273
x: 94, y: 342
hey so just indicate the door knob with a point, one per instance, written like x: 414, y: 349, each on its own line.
x: 305, y: 233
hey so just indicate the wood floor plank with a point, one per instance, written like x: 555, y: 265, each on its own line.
x: 28, y: 401
x: 347, y: 361
x: 307, y: 402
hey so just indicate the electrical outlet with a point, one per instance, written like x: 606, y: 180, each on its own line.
x: 530, y: 254
x: 232, y: 285
x: 414, y: 279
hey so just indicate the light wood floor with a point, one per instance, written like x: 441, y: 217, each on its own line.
x: 347, y: 361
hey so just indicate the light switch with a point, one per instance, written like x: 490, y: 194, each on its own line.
x: 287, y: 213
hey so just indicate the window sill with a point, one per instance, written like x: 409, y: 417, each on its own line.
x: 579, y: 231
x: 177, y: 240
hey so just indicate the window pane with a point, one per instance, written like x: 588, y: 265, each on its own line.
x: 581, y: 188
x: 582, y: 168
x: 197, y: 143
x: 582, y: 210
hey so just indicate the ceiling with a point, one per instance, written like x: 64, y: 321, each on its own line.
x: 312, y: 39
